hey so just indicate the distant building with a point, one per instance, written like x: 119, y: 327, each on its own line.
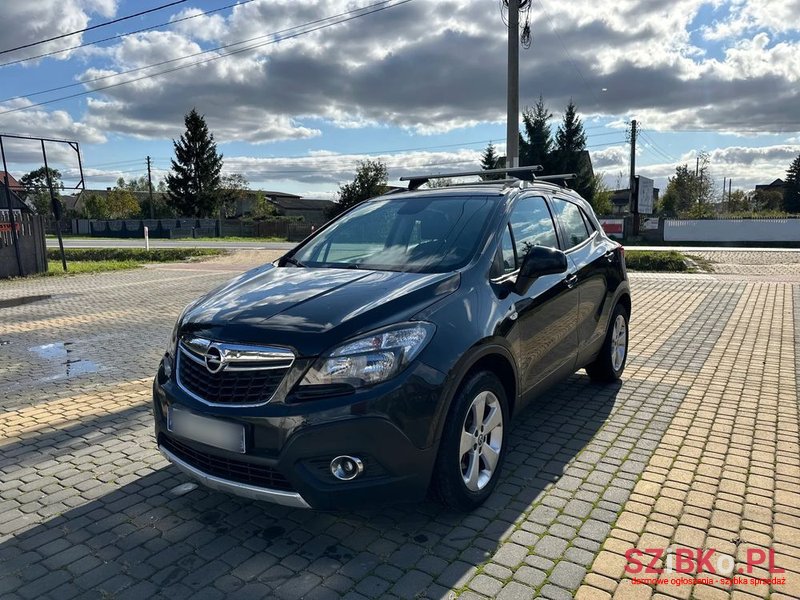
x: 15, y: 191
x: 287, y: 205
x: 76, y: 202
x: 779, y: 185
x: 246, y: 202
x: 311, y: 209
x: 620, y: 200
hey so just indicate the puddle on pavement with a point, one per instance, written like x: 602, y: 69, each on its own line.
x: 12, y: 302
x: 69, y: 365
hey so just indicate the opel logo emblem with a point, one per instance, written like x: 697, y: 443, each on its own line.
x: 214, y: 361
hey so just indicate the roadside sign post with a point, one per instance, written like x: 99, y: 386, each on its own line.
x: 146, y: 238
x: 644, y: 195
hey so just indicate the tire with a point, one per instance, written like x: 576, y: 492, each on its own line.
x: 470, y: 459
x: 610, y: 363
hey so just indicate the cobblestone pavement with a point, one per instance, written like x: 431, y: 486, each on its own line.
x: 698, y: 447
x: 753, y: 263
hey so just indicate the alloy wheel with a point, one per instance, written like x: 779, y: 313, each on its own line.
x: 619, y: 342
x: 481, y: 441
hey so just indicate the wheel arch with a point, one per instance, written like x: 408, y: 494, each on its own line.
x: 625, y: 300
x: 492, y: 357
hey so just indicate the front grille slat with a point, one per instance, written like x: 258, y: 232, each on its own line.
x: 227, y: 468
x: 228, y: 386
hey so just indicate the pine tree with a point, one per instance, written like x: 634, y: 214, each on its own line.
x: 570, y: 152
x: 570, y: 141
x: 490, y: 160
x: 193, y: 183
x: 791, y: 196
x: 537, y: 148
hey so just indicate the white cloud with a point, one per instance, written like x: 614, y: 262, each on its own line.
x: 417, y: 67
x: 779, y: 16
x: 332, y: 168
x: 27, y: 22
x: 49, y: 123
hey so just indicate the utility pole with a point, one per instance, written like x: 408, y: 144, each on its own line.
x: 730, y: 188
x: 724, y: 185
x: 55, y: 203
x: 150, y: 188
x: 633, y: 201
x: 512, y: 123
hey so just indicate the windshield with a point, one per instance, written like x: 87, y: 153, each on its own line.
x: 421, y: 234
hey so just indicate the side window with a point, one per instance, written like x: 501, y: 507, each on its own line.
x: 569, y: 215
x: 532, y: 225
x: 589, y: 224
x: 507, y: 253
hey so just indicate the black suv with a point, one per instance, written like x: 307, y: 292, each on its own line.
x: 386, y: 354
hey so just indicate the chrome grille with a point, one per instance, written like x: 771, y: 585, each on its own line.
x: 231, y: 374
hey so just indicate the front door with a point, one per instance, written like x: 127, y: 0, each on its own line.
x: 545, y: 337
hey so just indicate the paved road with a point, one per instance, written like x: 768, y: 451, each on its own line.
x: 155, y: 243
x: 136, y: 243
x: 697, y: 447
x: 713, y: 249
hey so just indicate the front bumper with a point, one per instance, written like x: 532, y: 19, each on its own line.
x: 288, y: 454
x: 245, y: 490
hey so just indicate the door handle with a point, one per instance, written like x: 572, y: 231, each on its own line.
x: 609, y: 255
x: 571, y: 280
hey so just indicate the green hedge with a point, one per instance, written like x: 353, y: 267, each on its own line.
x: 655, y: 260
x: 134, y: 254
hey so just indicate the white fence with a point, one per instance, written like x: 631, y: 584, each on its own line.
x: 732, y: 230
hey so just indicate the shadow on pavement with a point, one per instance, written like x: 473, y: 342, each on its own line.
x: 145, y: 539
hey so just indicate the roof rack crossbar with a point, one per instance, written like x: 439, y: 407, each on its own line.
x: 415, y: 181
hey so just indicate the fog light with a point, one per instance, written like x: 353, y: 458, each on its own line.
x: 346, y: 467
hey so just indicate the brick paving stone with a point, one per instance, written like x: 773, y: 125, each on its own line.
x: 700, y: 504
x: 698, y: 444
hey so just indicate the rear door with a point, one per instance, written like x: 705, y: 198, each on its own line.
x: 589, y: 253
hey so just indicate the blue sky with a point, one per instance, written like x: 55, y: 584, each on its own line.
x: 419, y: 85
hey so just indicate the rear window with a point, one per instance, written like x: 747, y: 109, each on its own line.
x: 569, y: 215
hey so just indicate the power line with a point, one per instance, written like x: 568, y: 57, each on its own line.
x: 121, y: 162
x: 222, y: 47
x: 122, y: 35
x: 594, y: 135
x: 606, y: 144
x: 303, y: 171
x: 104, y: 24
x: 332, y: 157
x: 568, y: 54
x: 380, y: 7
x: 655, y: 146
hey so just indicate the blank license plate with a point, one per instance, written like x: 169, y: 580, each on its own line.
x: 214, y: 432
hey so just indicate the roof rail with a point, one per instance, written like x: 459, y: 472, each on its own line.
x: 561, y: 177
x: 501, y: 182
x: 415, y: 181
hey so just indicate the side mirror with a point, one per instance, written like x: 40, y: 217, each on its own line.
x: 539, y: 261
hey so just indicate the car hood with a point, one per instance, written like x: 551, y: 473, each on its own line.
x: 310, y: 309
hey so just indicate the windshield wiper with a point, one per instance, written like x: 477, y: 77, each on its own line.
x: 293, y: 261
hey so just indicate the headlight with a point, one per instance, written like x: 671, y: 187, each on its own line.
x: 169, y: 354
x: 371, y: 359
